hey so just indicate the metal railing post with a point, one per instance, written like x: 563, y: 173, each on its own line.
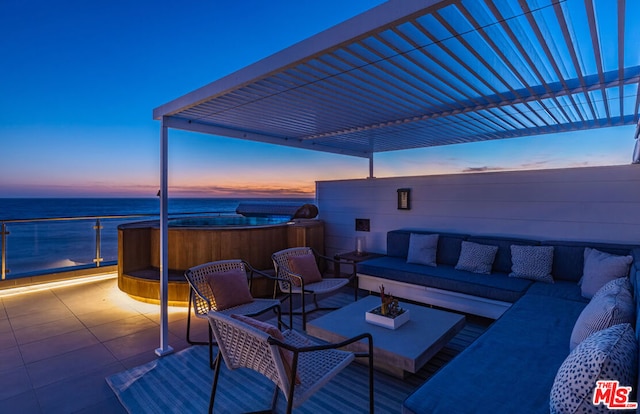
x: 97, y: 227
x: 3, y: 259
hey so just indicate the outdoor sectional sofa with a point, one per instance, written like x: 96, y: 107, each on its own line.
x: 512, y: 366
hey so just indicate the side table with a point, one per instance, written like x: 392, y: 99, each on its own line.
x: 356, y: 258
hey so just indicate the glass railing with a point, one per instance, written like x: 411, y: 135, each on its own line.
x: 48, y: 245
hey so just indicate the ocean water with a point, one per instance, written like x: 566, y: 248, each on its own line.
x: 43, y: 246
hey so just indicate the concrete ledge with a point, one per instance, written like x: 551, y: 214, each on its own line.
x: 461, y: 302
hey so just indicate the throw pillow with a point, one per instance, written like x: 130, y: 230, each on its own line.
x: 286, y: 355
x: 600, y: 268
x: 532, y: 262
x: 476, y: 258
x: 305, y: 265
x: 229, y: 288
x: 611, y: 305
x: 422, y: 249
x: 610, y: 354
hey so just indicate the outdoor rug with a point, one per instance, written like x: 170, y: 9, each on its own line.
x: 181, y: 383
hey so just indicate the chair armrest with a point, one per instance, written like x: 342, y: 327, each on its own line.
x: 321, y: 347
x: 264, y: 274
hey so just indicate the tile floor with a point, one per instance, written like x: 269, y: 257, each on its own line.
x: 58, y: 345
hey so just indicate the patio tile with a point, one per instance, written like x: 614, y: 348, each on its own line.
x: 3, y: 312
x: 86, y: 302
x: 36, y: 302
x: 108, y: 406
x: 139, y: 359
x: 57, y: 345
x: 10, y: 358
x: 68, y: 365
x: 40, y: 316
x: 14, y: 382
x: 79, y: 392
x: 199, y: 328
x: 24, y: 403
x: 139, y: 342
x: 120, y: 328
x: 35, y: 333
x: 102, y: 316
x: 7, y: 340
x: 5, y: 326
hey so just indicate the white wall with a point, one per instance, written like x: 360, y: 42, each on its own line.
x: 591, y: 204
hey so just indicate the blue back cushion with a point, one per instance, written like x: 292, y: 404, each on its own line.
x: 448, y: 245
x: 502, y: 262
x: 568, y: 257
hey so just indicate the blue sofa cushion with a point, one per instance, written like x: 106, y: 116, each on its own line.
x: 447, y: 252
x: 562, y: 289
x: 496, y: 286
x: 502, y: 263
x: 510, y: 368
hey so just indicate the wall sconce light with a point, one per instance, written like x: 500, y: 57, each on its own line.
x: 404, y: 199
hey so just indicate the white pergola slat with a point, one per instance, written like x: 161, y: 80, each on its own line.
x: 419, y: 73
x: 408, y: 74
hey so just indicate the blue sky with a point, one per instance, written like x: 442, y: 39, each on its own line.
x: 80, y: 80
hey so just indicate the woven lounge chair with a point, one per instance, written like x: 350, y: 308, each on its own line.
x: 297, y: 366
x: 203, y: 299
x: 293, y: 283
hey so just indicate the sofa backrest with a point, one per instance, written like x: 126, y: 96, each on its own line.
x: 568, y: 256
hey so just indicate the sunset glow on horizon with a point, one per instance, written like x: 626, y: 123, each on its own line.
x: 82, y: 79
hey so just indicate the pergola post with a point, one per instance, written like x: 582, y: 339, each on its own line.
x: 164, y: 242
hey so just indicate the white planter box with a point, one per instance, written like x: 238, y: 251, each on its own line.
x: 387, y: 322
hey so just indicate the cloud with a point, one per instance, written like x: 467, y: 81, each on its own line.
x: 241, y: 191
x: 483, y: 169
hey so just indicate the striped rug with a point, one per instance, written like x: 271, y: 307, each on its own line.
x: 181, y: 383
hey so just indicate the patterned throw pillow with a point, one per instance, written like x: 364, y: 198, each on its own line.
x: 611, y: 305
x: 600, y: 268
x: 610, y: 354
x: 422, y: 249
x: 476, y: 258
x: 532, y: 262
x: 229, y: 288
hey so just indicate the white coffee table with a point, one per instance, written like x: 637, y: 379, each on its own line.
x: 397, y: 352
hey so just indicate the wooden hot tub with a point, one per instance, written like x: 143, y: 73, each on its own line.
x: 191, y: 245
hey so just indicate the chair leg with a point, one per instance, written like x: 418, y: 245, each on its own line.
x: 304, y: 313
x: 210, y: 347
x: 371, y: 402
x: 189, y: 319
x: 290, y: 310
x: 279, y: 318
x: 274, y: 399
x: 189, y: 340
x: 215, y: 383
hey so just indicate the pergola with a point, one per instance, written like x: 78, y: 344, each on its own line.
x: 419, y: 73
